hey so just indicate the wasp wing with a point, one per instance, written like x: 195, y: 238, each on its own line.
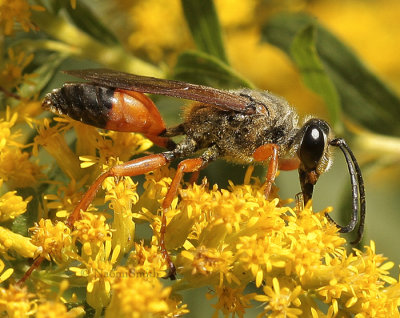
x: 144, y: 84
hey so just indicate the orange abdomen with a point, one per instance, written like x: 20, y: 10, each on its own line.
x: 133, y: 111
x: 109, y: 108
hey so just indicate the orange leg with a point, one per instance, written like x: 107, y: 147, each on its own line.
x: 28, y: 273
x: 289, y: 164
x: 263, y: 153
x: 188, y: 165
x: 134, y: 168
x: 194, y: 177
x: 131, y: 168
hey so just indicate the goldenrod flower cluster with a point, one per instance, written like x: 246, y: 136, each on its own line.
x: 227, y: 239
x: 251, y: 253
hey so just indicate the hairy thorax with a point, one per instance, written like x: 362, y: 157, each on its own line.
x: 237, y: 134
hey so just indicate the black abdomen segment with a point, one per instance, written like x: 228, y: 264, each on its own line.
x: 87, y: 103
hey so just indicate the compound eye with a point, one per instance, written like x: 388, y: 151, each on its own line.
x: 312, y: 146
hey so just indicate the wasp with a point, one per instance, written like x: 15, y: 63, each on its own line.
x: 243, y: 126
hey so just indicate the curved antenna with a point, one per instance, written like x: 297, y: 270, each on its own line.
x: 358, y: 191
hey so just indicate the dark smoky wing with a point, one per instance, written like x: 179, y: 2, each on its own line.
x: 143, y: 84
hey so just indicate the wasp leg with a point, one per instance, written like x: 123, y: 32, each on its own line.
x: 163, y: 142
x: 194, y: 177
x: 28, y: 273
x: 188, y: 165
x: 174, y: 131
x: 289, y: 164
x: 263, y: 153
x: 131, y: 168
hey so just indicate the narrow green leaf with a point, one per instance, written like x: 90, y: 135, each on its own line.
x: 203, y: 22
x: 365, y: 98
x: 304, y: 54
x: 88, y: 22
x: 201, y: 68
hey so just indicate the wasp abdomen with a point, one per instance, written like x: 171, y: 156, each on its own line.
x: 87, y: 103
x: 106, y: 107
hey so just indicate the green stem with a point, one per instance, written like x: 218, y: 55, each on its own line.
x: 378, y: 143
x: 31, y: 46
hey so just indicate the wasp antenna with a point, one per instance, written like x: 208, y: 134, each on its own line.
x: 358, y: 192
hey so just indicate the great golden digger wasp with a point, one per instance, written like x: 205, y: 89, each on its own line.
x: 243, y: 126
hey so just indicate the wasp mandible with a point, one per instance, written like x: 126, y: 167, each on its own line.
x: 243, y: 126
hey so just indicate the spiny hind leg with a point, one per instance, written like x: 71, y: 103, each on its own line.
x: 131, y: 168
x: 185, y: 166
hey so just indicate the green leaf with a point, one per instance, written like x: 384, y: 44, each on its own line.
x: 203, y: 22
x: 365, y: 99
x: 304, y: 53
x: 201, y: 68
x: 88, y: 22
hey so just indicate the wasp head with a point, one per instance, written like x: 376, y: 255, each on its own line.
x: 314, y: 154
x: 315, y: 139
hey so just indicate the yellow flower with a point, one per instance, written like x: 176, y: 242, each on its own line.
x: 234, y: 13
x: 260, y: 255
x: 52, y: 305
x: 52, y: 139
x: 16, y: 169
x: 16, y: 302
x: 11, y: 75
x: 92, y: 231
x: 66, y: 198
x: 54, y: 240
x: 229, y: 238
x: 358, y: 283
x: 16, y: 242
x: 210, y: 263
x: 146, y: 261
x: 188, y: 217
x: 7, y: 138
x: 92, y: 141
x: 280, y: 301
x: 16, y: 11
x: 157, y: 27
x: 155, y: 189
x: 12, y: 205
x: 122, y: 145
x: 122, y: 196
x: 6, y: 274
x: 231, y: 301
x: 100, y: 273
x: 140, y: 297
x: 52, y: 309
